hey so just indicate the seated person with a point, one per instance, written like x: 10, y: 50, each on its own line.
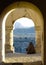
x: 30, y: 49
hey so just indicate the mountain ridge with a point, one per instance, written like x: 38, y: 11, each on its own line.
x: 24, y: 30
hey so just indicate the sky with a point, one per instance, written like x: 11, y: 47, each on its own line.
x: 23, y: 23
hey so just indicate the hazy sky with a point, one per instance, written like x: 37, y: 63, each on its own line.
x: 23, y: 23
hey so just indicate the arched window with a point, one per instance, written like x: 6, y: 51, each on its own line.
x: 11, y: 15
x: 23, y: 35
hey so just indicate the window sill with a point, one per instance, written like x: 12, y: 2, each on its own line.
x: 22, y: 58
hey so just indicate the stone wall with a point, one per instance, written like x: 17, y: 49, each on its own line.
x: 29, y: 12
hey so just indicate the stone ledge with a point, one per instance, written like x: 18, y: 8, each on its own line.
x: 22, y: 58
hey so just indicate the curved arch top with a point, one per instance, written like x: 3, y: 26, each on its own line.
x: 26, y: 5
x: 20, y: 5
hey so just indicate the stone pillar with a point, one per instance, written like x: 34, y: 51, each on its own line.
x: 38, y: 42
x: 7, y: 40
x: 11, y: 40
x: 38, y: 39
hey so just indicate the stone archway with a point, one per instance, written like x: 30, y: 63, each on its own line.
x: 15, y: 11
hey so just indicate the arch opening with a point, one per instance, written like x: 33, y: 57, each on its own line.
x: 24, y: 35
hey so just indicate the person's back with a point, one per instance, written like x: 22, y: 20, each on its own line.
x: 30, y: 49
